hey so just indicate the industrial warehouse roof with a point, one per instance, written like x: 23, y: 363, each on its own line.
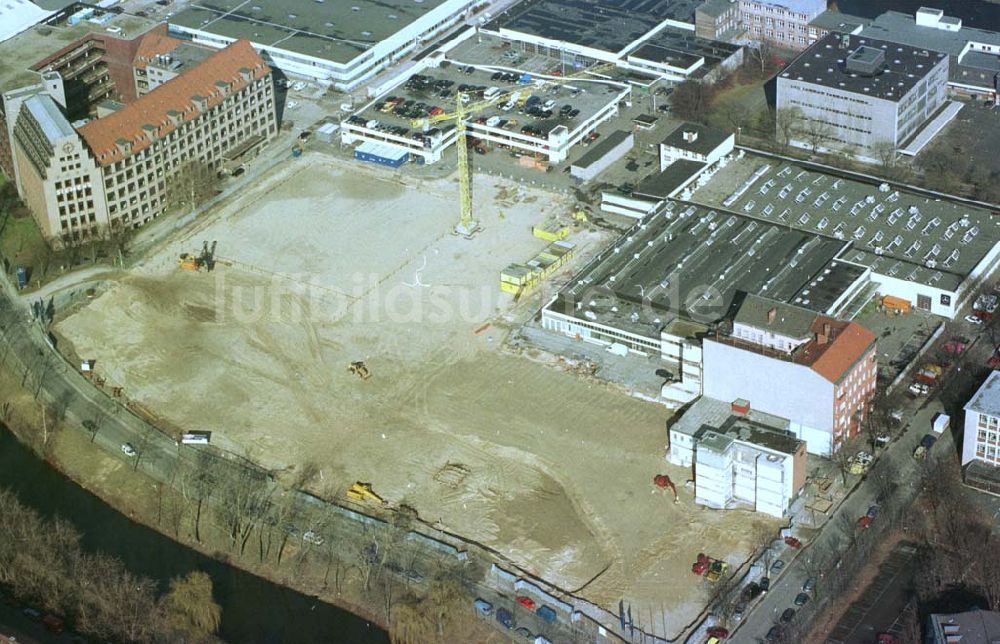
x: 902, y: 28
x: 825, y: 64
x: 788, y: 320
x: 606, y: 25
x: 662, y: 185
x: 337, y: 30
x: 900, y: 234
x: 597, y: 152
x: 175, y: 98
x: 690, y: 262
x: 706, y: 138
x: 18, y: 15
x: 681, y: 48
x: 987, y: 399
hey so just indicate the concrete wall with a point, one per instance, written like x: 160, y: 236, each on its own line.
x: 807, y: 402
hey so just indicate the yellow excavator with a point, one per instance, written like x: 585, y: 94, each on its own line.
x: 360, y: 369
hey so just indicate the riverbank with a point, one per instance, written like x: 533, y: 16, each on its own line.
x: 131, y: 526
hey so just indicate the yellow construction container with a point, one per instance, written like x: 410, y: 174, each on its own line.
x: 550, y: 231
x: 517, y: 278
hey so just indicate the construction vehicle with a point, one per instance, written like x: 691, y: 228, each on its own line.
x: 716, y: 571
x: 360, y: 369
x: 464, y: 108
x: 703, y: 564
x: 362, y: 493
x: 663, y: 481
x: 196, y: 262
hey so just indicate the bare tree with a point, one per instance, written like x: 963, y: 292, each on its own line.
x: 192, y: 184
x: 243, y: 502
x: 788, y: 122
x: 199, y: 483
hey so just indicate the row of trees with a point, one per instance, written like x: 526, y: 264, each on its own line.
x: 43, y: 562
x: 423, y: 597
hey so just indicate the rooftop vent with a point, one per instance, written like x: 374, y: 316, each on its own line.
x: 690, y: 137
x: 866, y: 61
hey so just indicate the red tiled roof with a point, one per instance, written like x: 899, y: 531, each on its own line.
x: 154, y: 43
x: 850, y: 343
x: 129, y: 123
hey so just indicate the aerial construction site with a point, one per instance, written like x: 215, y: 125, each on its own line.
x: 324, y: 267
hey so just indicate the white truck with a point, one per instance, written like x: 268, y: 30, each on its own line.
x: 940, y: 423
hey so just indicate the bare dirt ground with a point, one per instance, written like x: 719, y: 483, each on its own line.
x: 326, y: 262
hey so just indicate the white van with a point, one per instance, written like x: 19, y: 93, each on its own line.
x: 196, y: 438
x: 491, y: 92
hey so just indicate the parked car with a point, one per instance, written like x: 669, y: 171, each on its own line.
x: 792, y: 542
x: 311, y: 537
x: 774, y: 634
x: 788, y: 615
x: 801, y: 599
x: 525, y: 633
x: 128, y: 450
x: 53, y: 624
x: 32, y: 613
x: 527, y: 602
x: 810, y: 585
x: 483, y: 607
x: 872, y: 511
x: 765, y: 584
x: 751, y: 591
x: 739, y: 610
x: 777, y: 566
x: 505, y: 617
x: 717, y: 631
x: 973, y: 319
x: 864, y: 522
x: 546, y: 613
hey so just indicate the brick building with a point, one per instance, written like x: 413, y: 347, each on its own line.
x: 113, y: 170
x: 826, y: 366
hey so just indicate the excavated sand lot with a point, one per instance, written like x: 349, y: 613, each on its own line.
x: 327, y: 262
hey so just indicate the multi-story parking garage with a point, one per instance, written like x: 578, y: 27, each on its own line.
x: 543, y: 117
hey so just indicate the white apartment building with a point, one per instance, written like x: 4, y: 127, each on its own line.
x: 982, y: 424
x: 695, y: 142
x: 740, y: 457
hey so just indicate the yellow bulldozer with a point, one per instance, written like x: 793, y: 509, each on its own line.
x: 362, y: 492
x: 360, y: 369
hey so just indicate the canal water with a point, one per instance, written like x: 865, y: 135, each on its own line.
x: 253, y: 609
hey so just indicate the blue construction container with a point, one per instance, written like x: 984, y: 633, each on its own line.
x: 382, y: 154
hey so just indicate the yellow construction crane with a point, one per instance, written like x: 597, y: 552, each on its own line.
x: 467, y: 226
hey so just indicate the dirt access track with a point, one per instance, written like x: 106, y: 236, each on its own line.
x: 326, y: 262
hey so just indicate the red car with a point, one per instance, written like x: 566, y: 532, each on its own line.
x: 993, y: 362
x: 864, y: 522
x: 717, y: 631
x: 792, y: 542
x: 527, y: 602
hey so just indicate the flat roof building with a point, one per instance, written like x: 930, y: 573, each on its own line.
x: 344, y: 43
x: 974, y: 54
x: 854, y: 94
x: 834, y: 21
x: 741, y: 457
